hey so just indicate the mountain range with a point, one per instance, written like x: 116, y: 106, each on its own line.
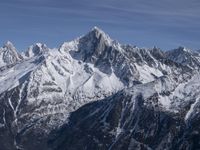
x: 94, y: 93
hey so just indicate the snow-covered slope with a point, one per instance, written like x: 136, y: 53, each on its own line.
x: 39, y: 91
x: 185, y: 56
x: 146, y: 116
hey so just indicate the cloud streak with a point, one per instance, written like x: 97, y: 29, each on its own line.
x: 125, y: 20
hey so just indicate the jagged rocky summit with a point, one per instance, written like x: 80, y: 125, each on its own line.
x: 94, y: 93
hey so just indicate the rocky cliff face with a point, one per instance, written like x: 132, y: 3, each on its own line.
x: 125, y: 122
x: 121, y: 96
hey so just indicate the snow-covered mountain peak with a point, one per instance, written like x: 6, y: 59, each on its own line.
x: 184, y: 49
x: 97, y: 33
x: 40, y: 45
x: 69, y: 46
x: 96, y: 28
x: 157, y: 53
x: 9, y: 45
x: 39, y: 93
x: 92, y: 45
x: 180, y: 51
x: 185, y: 57
x: 87, y: 43
x: 36, y: 49
x: 9, y: 54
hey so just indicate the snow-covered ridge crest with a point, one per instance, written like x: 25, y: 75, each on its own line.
x: 45, y: 86
x: 100, y: 32
x: 36, y: 49
x: 93, y: 34
x: 185, y: 57
x: 128, y: 63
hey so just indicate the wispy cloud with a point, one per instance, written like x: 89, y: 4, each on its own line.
x: 168, y: 20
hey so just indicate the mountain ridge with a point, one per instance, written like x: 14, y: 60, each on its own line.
x: 40, y: 91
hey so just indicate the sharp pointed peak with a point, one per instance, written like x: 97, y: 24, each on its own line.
x: 98, y: 30
x: 95, y: 28
x: 97, y: 33
x: 8, y: 44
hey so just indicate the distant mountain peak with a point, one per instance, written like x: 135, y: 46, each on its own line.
x: 36, y: 49
x: 9, y: 45
x: 95, y: 27
x: 97, y: 33
x: 184, y: 56
x: 87, y: 42
x: 98, y: 30
x: 40, y: 45
x: 9, y: 54
x: 184, y: 49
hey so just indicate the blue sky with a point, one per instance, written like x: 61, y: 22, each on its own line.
x: 145, y: 23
